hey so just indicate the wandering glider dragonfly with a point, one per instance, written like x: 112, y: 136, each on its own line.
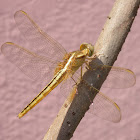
x: 48, y: 59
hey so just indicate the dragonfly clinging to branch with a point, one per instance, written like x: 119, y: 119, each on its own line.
x: 49, y: 57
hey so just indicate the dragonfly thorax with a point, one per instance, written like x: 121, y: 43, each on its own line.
x: 71, y: 62
x: 76, y: 60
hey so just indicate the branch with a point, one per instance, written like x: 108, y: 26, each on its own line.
x: 109, y: 44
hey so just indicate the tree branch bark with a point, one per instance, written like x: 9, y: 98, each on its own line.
x: 109, y: 44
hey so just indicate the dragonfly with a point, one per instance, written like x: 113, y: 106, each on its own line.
x: 46, y: 60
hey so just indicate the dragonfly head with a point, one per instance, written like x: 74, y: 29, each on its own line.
x: 89, y: 47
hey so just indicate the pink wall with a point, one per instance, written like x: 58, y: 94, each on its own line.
x: 71, y: 23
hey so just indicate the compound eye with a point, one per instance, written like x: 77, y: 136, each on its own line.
x: 89, y: 47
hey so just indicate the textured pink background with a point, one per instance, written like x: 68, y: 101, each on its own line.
x: 71, y: 23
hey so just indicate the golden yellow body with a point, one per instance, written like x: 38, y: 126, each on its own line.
x: 33, y: 64
x: 64, y: 70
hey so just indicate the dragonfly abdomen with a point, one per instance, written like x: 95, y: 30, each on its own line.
x: 58, y: 78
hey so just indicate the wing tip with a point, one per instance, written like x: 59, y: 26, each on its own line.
x: 9, y: 43
x: 128, y: 70
x: 134, y: 77
x: 5, y: 45
x: 23, y: 12
x: 20, y: 11
x: 117, y: 106
x: 119, y: 119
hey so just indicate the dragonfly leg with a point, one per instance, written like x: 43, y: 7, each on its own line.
x: 87, y: 66
x: 74, y: 81
x: 80, y: 77
x: 101, y: 54
x: 94, y: 56
x: 81, y: 72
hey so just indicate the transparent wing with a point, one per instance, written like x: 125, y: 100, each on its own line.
x: 34, y: 66
x: 66, y: 87
x: 105, y: 108
x: 119, y: 78
x: 70, y: 83
x: 101, y: 106
x: 42, y: 43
